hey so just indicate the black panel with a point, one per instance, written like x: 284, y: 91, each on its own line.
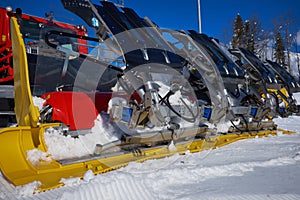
x: 119, y: 17
x: 134, y: 18
x: 120, y: 21
x: 216, y: 54
x: 80, y: 8
x: 113, y: 25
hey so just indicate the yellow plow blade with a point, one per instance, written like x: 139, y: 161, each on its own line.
x: 26, y: 113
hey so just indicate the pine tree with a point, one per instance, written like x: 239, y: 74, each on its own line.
x: 279, y: 50
x: 248, y: 36
x: 238, y: 32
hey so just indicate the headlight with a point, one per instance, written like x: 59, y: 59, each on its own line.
x: 8, y: 8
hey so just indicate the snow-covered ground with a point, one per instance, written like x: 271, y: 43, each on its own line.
x: 260, y: 168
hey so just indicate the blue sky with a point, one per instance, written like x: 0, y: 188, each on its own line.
x: 217, y: 15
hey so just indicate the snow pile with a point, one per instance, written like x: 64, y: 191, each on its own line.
x: 222, y: 126
x: 61, y: 147
x: 36, y: 156
x: 70, y: 181
x: 87, y: 177
x: 291, y: 123
x: 115, y: 101
x: 28, y: 189
x: 65, y: 147
x: 172, y: 147
x: 39, y: 102
x: 297, y: 97
x: 103, y: 132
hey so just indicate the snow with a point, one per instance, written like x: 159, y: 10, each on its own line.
x: 70, y: 181
x: 297, y: 97
x: 259, y: 168
x: 28, y: 189
x: 89, y: 175
x: 66, y: 147
x: 291, y: 123
x: 222, y: 126
x: 294, y: 64
x: 35, y: 156
x: 172, y: 147
x: 39, y: 102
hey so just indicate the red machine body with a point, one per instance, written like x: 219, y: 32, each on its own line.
x: 6, y: 70
x: 75, y: 109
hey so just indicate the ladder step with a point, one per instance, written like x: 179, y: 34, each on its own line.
x: 7, y: 91
x: 7, y: 113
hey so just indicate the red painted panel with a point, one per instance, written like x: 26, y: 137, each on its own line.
x: 75, y: 109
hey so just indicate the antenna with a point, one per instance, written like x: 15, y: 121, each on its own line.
x: 199, y: 17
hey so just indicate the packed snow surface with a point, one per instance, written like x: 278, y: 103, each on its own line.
x: 260, y: 168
